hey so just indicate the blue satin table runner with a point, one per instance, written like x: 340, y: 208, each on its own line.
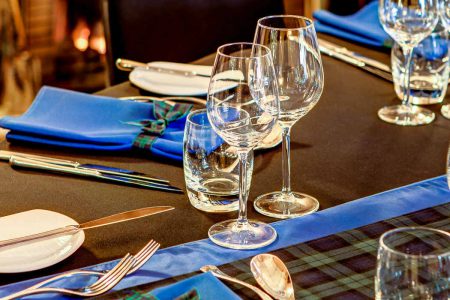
x: 189, y: 257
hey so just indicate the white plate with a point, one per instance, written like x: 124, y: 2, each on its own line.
x: 36, y: 254
x: 169, y: 84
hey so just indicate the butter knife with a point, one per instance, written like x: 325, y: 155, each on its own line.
x: 113, y: 219
x: 6, y: 155
x: 366, y: 60
x: 39, y: 165
x: 129, y: 65
x: 353, y: 61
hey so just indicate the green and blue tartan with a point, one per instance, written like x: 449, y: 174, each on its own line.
x: 163, y: 114
x: 338, y: 266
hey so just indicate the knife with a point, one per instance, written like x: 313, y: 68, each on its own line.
x: 129, y: 65
x: 113, y: 219
x: 6, y: 155
x: 366, y: 60
x: 39, y: 165
x: 353, y: 61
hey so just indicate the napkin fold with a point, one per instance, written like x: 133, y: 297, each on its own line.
x: 206, y: 286
x: 66, y: 118
x: 363, y: 27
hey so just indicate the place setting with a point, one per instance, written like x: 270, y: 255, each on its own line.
x: 234, y: 229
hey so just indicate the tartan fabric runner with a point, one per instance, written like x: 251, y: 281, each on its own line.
x: 151, y: 129
x: 339, y: 266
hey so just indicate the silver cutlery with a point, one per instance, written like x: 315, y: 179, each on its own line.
x: 101, y: 286
x: 219, y: 274
x: 355, y: 62
x: 129, y: 65
x: 39, y: 165
x: 116, y: 218
x: 273, y: 276
x: 170, y: 100
x: 140, y: 259
x: 6, y: 155
x: 366, y: 60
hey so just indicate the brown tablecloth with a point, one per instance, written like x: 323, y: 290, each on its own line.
x: 341, y: 151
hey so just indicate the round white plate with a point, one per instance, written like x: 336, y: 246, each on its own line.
x: 170, y: 84
x: 36, y: 254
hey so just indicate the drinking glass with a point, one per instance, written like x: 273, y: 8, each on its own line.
x: 413, y: 263
x: 243, y: 108
x: 298, y: 67
x: 444, y: 12
x: 408, y: 23
x: 211, y: 166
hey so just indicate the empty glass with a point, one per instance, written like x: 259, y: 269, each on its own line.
x: 444, y: 12
x: 243, y: 108
x: 408, y: 23
x: 211, y: 167
x: 429, y: 70
x: 413, y: 263
x: 298, y: 68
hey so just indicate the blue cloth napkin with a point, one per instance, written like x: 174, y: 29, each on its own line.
x: 66, y: 118
x: 206, y: 285
x: 363, y: 27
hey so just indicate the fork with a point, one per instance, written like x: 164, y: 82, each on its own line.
x: 104, y: 284
x: 140, y: 259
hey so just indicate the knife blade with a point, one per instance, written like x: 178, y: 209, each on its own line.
x: 366, y: 60
x: 36, y: 164
x: 6, y: 155
x: 113, y: 219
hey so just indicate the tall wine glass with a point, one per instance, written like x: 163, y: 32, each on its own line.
x: 243, y: 107
x: 298, y: 67
x: 408, y: 23
x: 444, y: 11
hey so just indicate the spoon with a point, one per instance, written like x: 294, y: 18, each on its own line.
x: 219, y: 274
x: 273, y: 276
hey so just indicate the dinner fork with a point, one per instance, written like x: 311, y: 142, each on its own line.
x: 140, y: 259
x: 99, y: 287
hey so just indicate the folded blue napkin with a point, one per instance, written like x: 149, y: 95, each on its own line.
x: 363, y: 27
x: 206, y: 286
x: 65, y: 118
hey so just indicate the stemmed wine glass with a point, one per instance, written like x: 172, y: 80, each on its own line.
x: 408, y: 23
x: 243, y: 107
x: 444, y: 11
x: 298, y: 67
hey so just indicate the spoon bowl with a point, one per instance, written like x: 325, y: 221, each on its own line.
x: 273, y: 276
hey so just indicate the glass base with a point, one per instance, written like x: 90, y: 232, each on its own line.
x: 234, y: 235
x: 445, y: 111
x: 406, y: 115
x: 285, y: 205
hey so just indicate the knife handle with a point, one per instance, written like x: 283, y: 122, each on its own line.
x: 6, y: 155
x: 128, y: 64
x: 40, y: 235
x: 35, y: 164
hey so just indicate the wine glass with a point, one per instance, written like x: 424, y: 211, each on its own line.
x: 444, y: 11
x: 413, y: 263
x: 243, y: 107
x: 408, y: 23
x: 298, y: 67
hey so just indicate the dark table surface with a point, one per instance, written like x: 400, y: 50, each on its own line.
x: 341, y: 151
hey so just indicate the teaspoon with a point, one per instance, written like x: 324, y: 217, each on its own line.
x: 273, y: 276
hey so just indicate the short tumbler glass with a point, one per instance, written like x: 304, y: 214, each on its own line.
x: 429, y: 70
x: 211, y: 167
x: 413, y: 263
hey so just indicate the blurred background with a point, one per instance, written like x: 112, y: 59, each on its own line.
x: 67, y: 43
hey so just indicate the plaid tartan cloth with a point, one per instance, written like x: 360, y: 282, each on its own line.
x: 339, y: 266
x: 151, y: 129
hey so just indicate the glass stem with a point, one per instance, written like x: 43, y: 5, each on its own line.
x: 243, y: 192
x: 286, y: 159
x: 407, y: 53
